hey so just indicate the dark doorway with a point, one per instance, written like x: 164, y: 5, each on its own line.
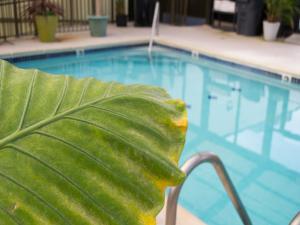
x: 130, y: 10
x: 180, y: 12
x: 186, y: 12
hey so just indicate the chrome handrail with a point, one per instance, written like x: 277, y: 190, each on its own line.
x: 296, y: 219
x: 188, y: 167
x: 155, y: 27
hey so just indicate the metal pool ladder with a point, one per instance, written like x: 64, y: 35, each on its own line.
x: 155, y: 27
x: 296, y: 220
x: 188, y: 167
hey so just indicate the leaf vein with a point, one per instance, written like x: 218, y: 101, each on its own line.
x: 65, y: 178
x: 13, y: 218
x: 1, y: 79
x: 26, y: 131
x: 86, y: 84
x: 64, y: 91
x: 157, y: 157
x: 108, y: 90
x: 27, y: 101
x: 43, y: 201
x: 120, y: 115
x: 98, y: 161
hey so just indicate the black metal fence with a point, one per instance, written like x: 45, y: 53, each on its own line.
x: 15, y: 23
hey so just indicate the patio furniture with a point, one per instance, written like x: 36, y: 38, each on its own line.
x: 144, y: 11
x: 224, y: 10
x: 178, y: 11
x: 249, y: 17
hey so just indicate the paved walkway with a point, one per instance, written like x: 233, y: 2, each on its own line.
x: 279, y: 57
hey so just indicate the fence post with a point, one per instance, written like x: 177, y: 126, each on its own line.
x: 3, y: 24
x: 112, y: 11
x: 94, y: 7
x: 98, y: 7
x: 16, y: 18
x: 71, y: 12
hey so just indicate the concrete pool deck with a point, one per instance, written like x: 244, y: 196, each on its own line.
x: 278, y: 57
x: 182, y: 217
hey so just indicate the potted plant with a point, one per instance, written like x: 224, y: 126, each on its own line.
x: 45, y: 15
x: 98, y: 23
x: 278, y: 11
x: 290, y: 11
x: 121, y: 19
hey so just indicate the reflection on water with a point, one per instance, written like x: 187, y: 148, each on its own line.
x: 252, y: 124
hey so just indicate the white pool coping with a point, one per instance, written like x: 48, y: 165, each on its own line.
x: 277, y: 57
x: 183, y: 217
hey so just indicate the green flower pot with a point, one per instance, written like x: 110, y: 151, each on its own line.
x: 98, y: 25
x: 46, y: 27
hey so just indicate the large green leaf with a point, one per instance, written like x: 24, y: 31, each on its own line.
x: 80, y: 151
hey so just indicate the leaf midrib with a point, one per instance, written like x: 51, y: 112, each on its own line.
x: 24, y: 132
x: 21, y: 133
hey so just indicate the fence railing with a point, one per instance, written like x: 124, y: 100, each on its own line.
x: 15, y: 23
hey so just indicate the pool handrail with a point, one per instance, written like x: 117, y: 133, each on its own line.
x: 296, y: 219
x: 155, y: 27
x: 187, y: 168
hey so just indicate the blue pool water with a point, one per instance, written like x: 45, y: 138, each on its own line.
x: 251, y: 121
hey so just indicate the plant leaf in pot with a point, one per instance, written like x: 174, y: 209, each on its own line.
x: 278, y: 11
x: 45, y: 15
x: 272, y: 24
x: 289, y: 12
x: 121, y: 19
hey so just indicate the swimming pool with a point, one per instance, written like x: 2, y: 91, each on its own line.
x: 250, y: 120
